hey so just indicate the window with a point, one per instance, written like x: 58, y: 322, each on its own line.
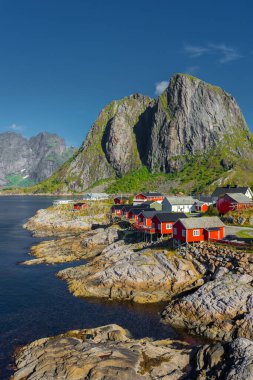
x: 183, y: 233
x: 196, y: 233
x: 174, y: 231
x: 168, y: 226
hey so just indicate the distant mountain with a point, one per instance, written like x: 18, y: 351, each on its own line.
x: 192, y: 136
x: 24, y: 161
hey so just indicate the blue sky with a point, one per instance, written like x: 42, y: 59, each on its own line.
x: 62, y: 61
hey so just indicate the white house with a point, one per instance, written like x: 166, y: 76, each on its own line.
x: 95, y: 196
x: 178, y: 204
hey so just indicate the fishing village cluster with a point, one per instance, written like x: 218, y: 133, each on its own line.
x: 185, y: 219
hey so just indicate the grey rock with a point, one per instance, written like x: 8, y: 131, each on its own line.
x: 241, y: 220
x: 109, y: 353
x: 142, y: 276
x: 220, y: 309
x: 35, y: 158
x: 191, y: 117
x: 220, y: 272
x: 232, y: 361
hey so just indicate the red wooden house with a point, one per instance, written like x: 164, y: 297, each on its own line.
x: 145, y: 218
x: 80, y: 206
x: 121, y: 200
x: 127, y: 208
x: 143, y: 197
x: 162, y: 223
x: 117, y: 210
x: 133, y: 213
x: 232, y: 202
x: 198, y: 229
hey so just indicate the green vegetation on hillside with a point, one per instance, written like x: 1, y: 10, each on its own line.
x: 196, y: 175
x: 16, y: 180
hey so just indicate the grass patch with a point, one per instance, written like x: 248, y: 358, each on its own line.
x: 247, y: 234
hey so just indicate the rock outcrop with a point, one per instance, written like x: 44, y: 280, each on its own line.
x: 73, y: 248
x: 111, y: 146
x: 109, y: 353
x: 60, y: 221
x: 103, y: 353
x: 190, y: 118
x: 25, y: 161
x: 123, y: 272
x: 221, y: 309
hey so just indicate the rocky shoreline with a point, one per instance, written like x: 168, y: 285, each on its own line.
x: 108, y: 352
x: 62, y: 220
x: 208, y: 290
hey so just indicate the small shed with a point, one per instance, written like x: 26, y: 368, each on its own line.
x: 80, y: 206
x: 201, y: 206
x: 198, y: 229
x: 121, y: 200
x: 117, y: 210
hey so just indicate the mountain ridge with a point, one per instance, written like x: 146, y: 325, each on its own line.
x: 191, y: 121
x: 25, y: 161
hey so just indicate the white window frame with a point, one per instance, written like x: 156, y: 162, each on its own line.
x: 196, y: 232
x: 184, y: 233
x: 175, y: 231
x: 168, y: 226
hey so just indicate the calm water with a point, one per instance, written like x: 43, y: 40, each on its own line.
x: 35, y: 304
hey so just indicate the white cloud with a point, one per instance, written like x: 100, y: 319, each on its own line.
x: 15, y: 127
x: 12, y: 127
x: 161, y: 86
x: 224, y: 53
x: 195, y: 51
x: 228, y: 54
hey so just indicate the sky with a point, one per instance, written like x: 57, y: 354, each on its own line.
x: 62, y: 61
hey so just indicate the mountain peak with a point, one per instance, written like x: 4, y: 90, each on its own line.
x: 190, y: 119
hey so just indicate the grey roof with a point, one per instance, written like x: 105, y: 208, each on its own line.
x: 150, y: 213
x: 181, y: 200
x: 199, y: 203
x: 203, y: 222
x: 170, y: 216
x: 227, y: 189
x: 240, y: 198
x: 205, y: 198
x: 150, y: 202
x: 138, y: 210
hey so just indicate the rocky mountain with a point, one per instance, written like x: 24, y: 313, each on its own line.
x: 27, y: 161
x: 192, y: 128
